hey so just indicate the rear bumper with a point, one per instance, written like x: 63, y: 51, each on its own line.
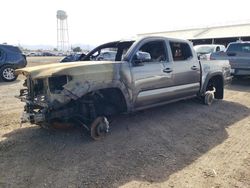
x: 20, y: 64
x: 240, y: 72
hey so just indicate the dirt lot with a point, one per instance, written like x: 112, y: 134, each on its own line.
x: 185, y: 144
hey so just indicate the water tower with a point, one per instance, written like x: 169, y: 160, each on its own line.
x: 62, y: 31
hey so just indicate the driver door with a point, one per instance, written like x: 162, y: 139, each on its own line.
x: 151, y: 78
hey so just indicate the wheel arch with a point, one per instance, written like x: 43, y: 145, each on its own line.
x: 218, y: 80
x: 114, y: 88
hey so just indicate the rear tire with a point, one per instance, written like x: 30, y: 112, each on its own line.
x: 7, y: 73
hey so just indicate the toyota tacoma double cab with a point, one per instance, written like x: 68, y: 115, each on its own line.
x: 145, y: 73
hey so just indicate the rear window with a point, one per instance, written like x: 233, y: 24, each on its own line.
x: 15, y: 49
x: 239, y: 47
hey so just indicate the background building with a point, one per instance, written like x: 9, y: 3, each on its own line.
x: 209, y: 35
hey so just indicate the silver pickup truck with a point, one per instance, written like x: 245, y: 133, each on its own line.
x: 144, y: 73
x: 238, y: 54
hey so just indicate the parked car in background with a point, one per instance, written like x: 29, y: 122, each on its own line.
x: 47, y: 54
x: 204, y: 51
x: 106, y: 56
x: 238, y: 54
x: 32, y: 54
x: 60, y: 54
x: 73, y: 57
x: 11, y: 58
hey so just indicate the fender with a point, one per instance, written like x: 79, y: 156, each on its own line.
x: 208, y: 77
x: 77, y: 90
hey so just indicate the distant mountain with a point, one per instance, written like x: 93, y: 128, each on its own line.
x: 85, y: 47
x: 38, y: 47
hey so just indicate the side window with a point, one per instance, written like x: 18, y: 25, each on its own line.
x: 1, y: 54
x: 234, y: 48
x: 217, y: 49
x: 246, y: 48
x: 180, y: 51
x: 156, y: 50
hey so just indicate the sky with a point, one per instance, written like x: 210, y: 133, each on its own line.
x: 33, y: 22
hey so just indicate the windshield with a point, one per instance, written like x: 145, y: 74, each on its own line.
x: 113, y: 51
x: 204, y: 49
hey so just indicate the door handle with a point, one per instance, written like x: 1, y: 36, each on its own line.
x: 167, y: 70
x: 194, y: 68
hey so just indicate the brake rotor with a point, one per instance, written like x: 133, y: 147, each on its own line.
x: 99, y: 128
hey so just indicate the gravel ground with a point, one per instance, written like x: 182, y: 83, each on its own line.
x: 184, y: 144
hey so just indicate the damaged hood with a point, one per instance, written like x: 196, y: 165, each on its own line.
x: 106, y: 68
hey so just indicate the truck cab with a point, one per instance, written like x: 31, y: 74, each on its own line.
x: 169, y: 72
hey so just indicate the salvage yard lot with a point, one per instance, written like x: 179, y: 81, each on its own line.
x: 184, y: 144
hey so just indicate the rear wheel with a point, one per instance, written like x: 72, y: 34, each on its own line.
x: 8, y: 73
x: 208, y: 98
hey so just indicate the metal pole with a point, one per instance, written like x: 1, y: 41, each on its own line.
x: 63, y: 35
x: 57, y: 34
x: 67, y: 34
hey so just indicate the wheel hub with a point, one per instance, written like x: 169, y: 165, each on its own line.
x: 99, y: 128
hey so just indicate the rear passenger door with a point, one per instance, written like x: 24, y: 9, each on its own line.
x: 186, y: 69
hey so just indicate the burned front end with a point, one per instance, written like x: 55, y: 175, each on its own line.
x: 45, y: 100
x: 71, y: 94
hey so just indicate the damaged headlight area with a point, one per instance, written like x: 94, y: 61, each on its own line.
x: 34, y: 96
x: 37, y: 95
x: 56, y: 83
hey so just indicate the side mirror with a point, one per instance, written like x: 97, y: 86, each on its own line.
x: 141, y: 57
x: 202, y: 57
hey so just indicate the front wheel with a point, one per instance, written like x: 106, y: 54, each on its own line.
x: 99, y: 128
x: 8, y: 73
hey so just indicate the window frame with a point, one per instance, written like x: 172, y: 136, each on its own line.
x: 142, y: 43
